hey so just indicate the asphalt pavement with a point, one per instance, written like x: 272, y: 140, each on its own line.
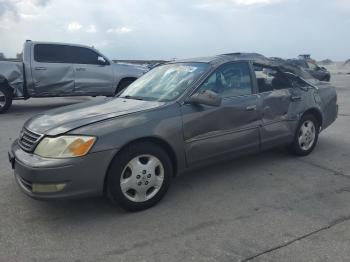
x: 267, y: 207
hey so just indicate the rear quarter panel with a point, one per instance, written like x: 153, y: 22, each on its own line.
x: 12, y: 74
x: 327, y: 99
x: 298, y: 108
x: 323, y: 99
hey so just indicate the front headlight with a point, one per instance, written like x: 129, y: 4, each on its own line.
x: 65, y: 146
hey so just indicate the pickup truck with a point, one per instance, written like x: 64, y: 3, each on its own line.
x: 58, y: 70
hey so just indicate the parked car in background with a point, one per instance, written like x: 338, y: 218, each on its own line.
x: 56, y: 70
x: 178, y: 115
x: 318, y: 72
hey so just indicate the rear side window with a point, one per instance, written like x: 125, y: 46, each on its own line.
x: 297, y: 81
x: 48, y: 53
x: 230, y: 80
x: 270, y: 79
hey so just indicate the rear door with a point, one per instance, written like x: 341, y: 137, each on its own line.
x: 93, y: 72
x: 231, y: 128
x: 277, y: 95
x: 53, y: 74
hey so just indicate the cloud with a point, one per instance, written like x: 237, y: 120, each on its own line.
x: 28, y: 16
x: 13, y: 6
x: 74, y: 26
x: 258, y: 2
x: 147, y: 29
x: 215, y: 5
x: 7, y: 7
x: 41, y: 2
x: 91, y: 29
x: 119, y: 30
x: 344, y: 4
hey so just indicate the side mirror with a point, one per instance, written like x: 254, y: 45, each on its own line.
x: 207, y: 97
x: 102, y: 61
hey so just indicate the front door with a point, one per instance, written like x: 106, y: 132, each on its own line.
x: 233, y: 127
x: 53, y: 74
x: 93, y: 73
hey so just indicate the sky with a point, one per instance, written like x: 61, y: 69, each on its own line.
x: 166, y: 29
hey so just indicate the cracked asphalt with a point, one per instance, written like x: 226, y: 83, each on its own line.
x: 267, y: 207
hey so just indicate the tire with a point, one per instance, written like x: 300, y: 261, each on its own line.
x: 5, y: 99
x: 139, y: 176
x: 306, y: 136
x: 327, y: 78
x: 124, y: 83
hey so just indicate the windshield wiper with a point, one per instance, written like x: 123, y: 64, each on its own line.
x: 133, y: 97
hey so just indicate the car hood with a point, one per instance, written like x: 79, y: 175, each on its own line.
x: 64, y: 119
x: 129, y: 70
x: 129, y: 65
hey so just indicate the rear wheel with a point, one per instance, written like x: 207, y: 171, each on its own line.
x: 306, y: 136
x: 5, y: 99
x: 139, y: 176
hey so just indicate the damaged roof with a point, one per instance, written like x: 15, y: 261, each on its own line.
x: 282, y: 64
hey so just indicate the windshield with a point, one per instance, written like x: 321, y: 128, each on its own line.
x: 166, y: 82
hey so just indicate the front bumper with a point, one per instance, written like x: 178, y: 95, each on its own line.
x: 81, y: 176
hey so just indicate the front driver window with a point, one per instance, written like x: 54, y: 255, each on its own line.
x: 82, y: 55
x: 230, y: 80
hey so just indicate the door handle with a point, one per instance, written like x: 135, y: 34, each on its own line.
x: 40, y: 68
x: 251, y: 108
x: 295, y: 98
x: 80, y: 69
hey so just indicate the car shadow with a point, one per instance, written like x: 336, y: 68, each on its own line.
x: 229, y: 166
x: 68, y: 211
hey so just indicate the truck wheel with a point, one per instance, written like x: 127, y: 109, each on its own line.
x: 327, y: 78
x: 5, y: 99
x: 124, y: 83
x: 139, y: 176
x: 306, y: 136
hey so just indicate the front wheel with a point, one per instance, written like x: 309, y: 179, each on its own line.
x: 327, y: 78
x: 124, y: 83
x: 139, y: 176
x: 306, y: 136
x: 5, y: 99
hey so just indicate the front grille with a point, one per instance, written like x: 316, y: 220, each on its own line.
x: 28, y: 140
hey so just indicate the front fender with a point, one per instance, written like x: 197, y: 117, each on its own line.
x: 163, y: 122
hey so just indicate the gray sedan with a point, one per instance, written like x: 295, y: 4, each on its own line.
x: 179, y: 115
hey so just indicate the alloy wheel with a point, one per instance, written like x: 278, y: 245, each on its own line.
x: 307, y: 135
x: 2, y: 99
x: 142, y: 178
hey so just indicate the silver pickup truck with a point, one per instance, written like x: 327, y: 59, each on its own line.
x: 56, y: 70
